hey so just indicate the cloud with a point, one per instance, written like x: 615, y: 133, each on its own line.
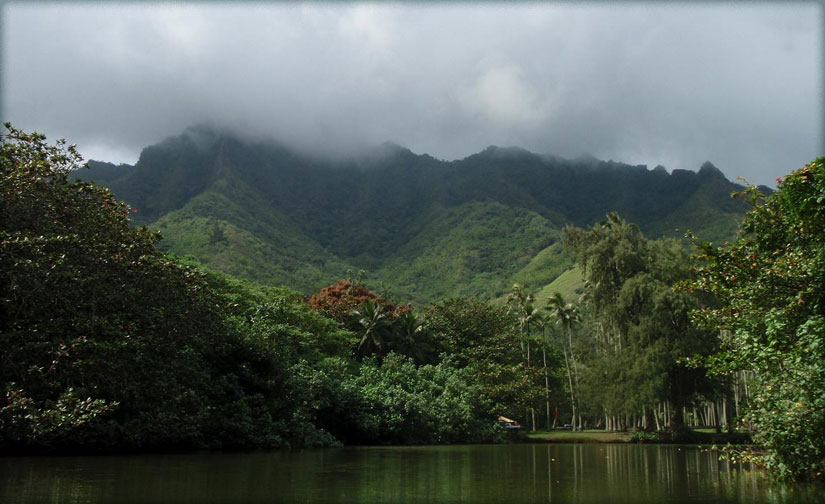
x: 369, y: 29
x: 679, y: 84
x: 502, y: 94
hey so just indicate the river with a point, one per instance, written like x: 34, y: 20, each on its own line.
x: 518, y: 473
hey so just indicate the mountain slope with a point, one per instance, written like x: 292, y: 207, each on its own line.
x: 233, y: 236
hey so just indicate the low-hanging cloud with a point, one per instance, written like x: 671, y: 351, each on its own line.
x: 740, y: 85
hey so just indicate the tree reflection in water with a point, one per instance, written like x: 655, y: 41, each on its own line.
x: 526, y: 473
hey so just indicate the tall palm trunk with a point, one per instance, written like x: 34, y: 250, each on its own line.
x: 573, y: 357
x: 570, y: 382
x: 575, y: 367
x: 546, y: 386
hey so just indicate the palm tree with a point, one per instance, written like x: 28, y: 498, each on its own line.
x: 567, y: 316
x: 373, y: 322
x: 522, y: 303
x: 411, y: 337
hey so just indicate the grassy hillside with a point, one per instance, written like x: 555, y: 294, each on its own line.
x: 570, y: 284
x: 468, y: 250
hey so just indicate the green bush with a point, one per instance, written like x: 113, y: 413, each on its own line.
x: 640, y: 436
x: 400, y: 403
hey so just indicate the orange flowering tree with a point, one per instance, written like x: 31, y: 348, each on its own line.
x: 381, y: 325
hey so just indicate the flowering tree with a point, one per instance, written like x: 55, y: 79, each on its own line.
x: 381, y: 325
x: 341, y: 299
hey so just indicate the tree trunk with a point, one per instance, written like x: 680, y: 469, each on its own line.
x: 728, y: 416
x: 570, y: 382
x: 677, y: 418
x: 649, y: 420
x: 724, y: 416
x: 528, y: 353
x: 530, y: 412
x: 573, y: 357
x: 546, y: 386
x: 736, y: 395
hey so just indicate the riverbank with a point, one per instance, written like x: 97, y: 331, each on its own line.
x: 691, y: 436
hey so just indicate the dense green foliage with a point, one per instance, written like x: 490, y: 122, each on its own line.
x: 428, y: 229
x: 400, y: 403
x: 770, y: 286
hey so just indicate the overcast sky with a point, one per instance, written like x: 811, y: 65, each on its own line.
x: 740, y: 85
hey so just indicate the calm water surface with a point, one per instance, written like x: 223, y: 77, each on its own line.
x: 486, y: 474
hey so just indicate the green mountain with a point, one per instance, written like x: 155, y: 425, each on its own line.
x: 422, y: 228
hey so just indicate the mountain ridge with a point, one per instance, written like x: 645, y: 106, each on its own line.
x: 425, y: 228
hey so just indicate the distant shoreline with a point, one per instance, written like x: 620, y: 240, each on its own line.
x: 703, y: 436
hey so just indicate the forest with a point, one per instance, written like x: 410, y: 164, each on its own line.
x: 108, y: 343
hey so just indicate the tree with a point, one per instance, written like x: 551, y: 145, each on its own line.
x: 94, y: 321
x: 412, y: 338
x: 373, y: 324
x: 344, y: 298
x: 771, y: 317
x: 642, y: 328
x: 517, y: 302
x: 481, y: 337
x: 216, y: 235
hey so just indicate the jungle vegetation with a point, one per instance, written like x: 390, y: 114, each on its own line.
x: 108, y: 342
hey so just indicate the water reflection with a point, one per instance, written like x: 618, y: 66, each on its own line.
x: 579, y: 473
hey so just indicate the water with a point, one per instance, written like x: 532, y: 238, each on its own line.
x: 485, y: 474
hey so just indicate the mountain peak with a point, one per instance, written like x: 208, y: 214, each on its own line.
x: 709, y: 170
x: 392, y: 149
x: 505, y: 152
x: 587, y: 158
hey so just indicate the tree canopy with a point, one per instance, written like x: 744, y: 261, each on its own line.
x: 640, y: 328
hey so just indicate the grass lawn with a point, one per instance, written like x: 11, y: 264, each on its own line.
x: 587, y: 436
x: 698, y: 436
